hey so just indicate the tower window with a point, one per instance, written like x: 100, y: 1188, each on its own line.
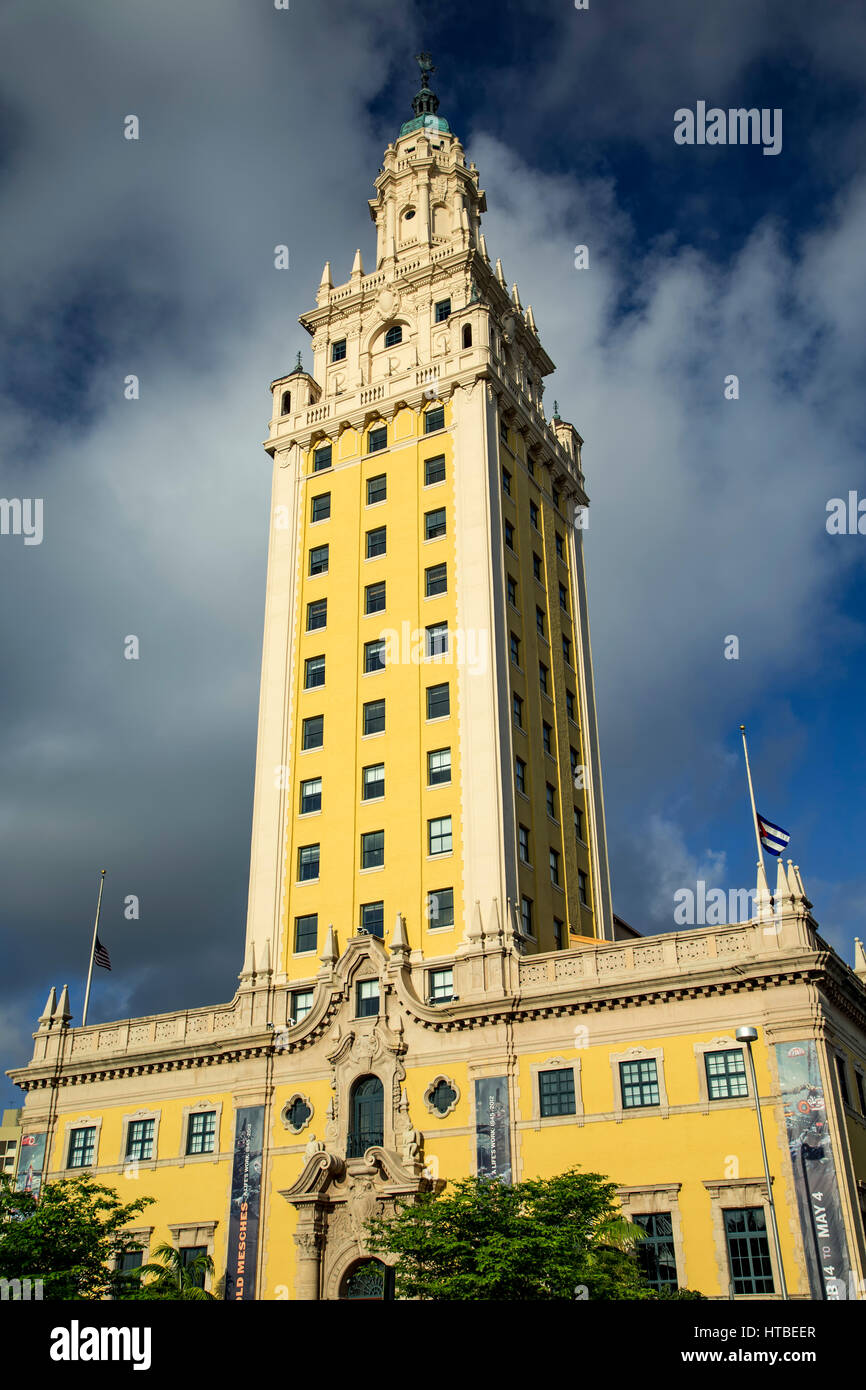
x: 511, y: 585
x: 434, y: 470
x: 578, y: 824
x: 550, y: 793
x: 517, y: 710
x: 434, y: 524
x: 374, y: 655
x: 520, y: 774
x: 533, y: 515
x: 440, y: 908
x: 374, y: 598
x: 441, y: 310
x: 367, y: 1007
x: 314, y: 731
x: 319, y: 560
x: 377, y: 439
x: 526, y: 915
x: 842, y: 1073
x: 286, y: 403
x: 374, y: 717
x: 377, y: 542
x: 436, y: 580
x: 373, y: 918
x: 557, y: 933
x: 438, y: 767
x: 514, y: 645
x: 302, y: 1003
x: 570, y: 707
x: 566, y: 649
x: 539, y: 621
x: 434, y: 419
x: 320, y: 508
x: 373, y: 782
x: 509, y: 535
x: 322, y: 458
x: 377, y: 489
x: 439, y: 839
x: 441, y: 986
x: 314, y: 672
x: 523, y: 843
x: 536, y: 567
x: 394, y: 336
x: 437, y: 639
x: 317, y: 614
x: 506, y: 481
x: 546, y: 732
x: 563, y: 598
x: 373, y: 849
x: 338, y: 350
x: 311, y: 795
x: 554, y: 867
x: 583, y: 887
x: 308, y: 863
x: 560, y: 546
x: 466, y: 335
x: 438, y: 701
x: 543, y: 674
x: 503, y: 431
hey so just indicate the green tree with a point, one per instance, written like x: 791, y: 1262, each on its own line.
x: 70, y: 1237
x: 545, y: 1238
x: 168, y: 1276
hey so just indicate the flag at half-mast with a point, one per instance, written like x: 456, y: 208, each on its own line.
x: 773, y: 837
x: 101, y: 956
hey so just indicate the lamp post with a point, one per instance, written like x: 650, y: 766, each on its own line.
x: 748, y: 1036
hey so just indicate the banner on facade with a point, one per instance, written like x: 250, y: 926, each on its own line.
x: 31, y: 1162
x: 815, y: 1178
x: 243, y: 1241
x: 493, y: 1128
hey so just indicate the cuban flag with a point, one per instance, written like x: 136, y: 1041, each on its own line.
x: 773, y: 837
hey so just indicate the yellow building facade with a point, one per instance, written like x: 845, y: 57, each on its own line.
x: 434, y: 982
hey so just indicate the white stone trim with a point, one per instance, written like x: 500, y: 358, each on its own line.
x: 196, y: 1108
x: 639, y: 1054
x: 80, y: 1122
x: 540, y: 1121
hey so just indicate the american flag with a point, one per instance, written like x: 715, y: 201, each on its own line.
x: 101, y: 956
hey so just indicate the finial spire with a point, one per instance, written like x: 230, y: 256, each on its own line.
x: 425, y: 103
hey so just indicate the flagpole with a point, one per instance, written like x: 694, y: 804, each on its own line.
x: 93, y: 950
x: 752, y: 799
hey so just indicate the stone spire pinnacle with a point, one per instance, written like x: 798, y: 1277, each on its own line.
x: 48, y: 1012
x: 63, y: 1013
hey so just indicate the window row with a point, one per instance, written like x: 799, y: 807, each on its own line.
x: 377, y: 440
x: 440, y: 915
x: 200, y: 1138
x: 724, y: 1071
x: 438, y: 705
x: 373, y: 848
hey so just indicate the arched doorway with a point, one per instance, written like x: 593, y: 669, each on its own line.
x: 370, y: 1280
x: 366, y: 1116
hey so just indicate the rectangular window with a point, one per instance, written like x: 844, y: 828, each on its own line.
x: 726, y: 1074
x: 201, y: 1133
x: 436, y: 580
x: 322, y: 458
x: 314, y: 731
x: 373, y: 918
x: 520, y: 774
x: 438, y: 701
x: 319, y: 560
x: 563, y: 598
x: 546, y: 731
x: 558, y: 929
x: 555, y: 495
x: 517, y: 710
x: 656, y: 1254
x: 437, y: 639
x: 556, y: 1092
x: 440, y: 908
x: 748, y: 1251
x: 377, y: 439
x: 842, y: 1073
x: 514, y: 648
x: 306, y: 933
x: 373, y: 782
x: 314, y: 672
x: 533, y: 515
x: 438, y: 767
x: 640, y: 1083
x: 503, y: 431
x: 550, y: 794
x: 582, y: 887
x: 539, y: 620
x: 434, y: 470
x: 367, y: 999
x: 311, y: 795
x: 509, y: 535
x: 374, y: 598
x: 543, y: 673
x: 302, y: 1002
x: 139, y: 1139
x: 338, y: 350
x: 578, y: 823
x: 320, y: 507
x: 572, y: 754
x: 506, y: 481
x: 554, y: 867
x: 376, y: 542
x: 570, y: 707
x: 434, y: 524
x: 512, y: 590
x: 523, y: 843
x: 308, y: 863
x: 441, y: 310
x: 82, y: 1144
x: 434, y: 419
x: 377, y: 489
x: 129, y: 1260
x: 374, y: 655
x: 861, y: 1095
x: 536, y: 567
x: 374, y: 717
x: 188, y: 1254
x: 526, y: 915
x: 317, y: 614
x: 439, y: 835
x: 373, y: 849
x: 559, y: 546
x: 441, y: 986
x: 566, y: 649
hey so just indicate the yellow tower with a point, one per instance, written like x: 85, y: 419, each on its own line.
x: 427, y: 735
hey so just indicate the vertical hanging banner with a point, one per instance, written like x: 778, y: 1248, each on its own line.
x: 493, y: 1128
x: 31, y: 1163
x: 243, y: 1242
x: 815, y: 1178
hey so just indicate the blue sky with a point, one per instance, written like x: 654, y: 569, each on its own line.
x: 707, y: 516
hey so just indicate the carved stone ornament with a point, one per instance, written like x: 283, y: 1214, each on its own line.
x: 387, y: 303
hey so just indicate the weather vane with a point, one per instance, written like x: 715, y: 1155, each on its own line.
x: 425, y: 63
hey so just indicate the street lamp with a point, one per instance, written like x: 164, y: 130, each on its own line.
x: 748, y: 1036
